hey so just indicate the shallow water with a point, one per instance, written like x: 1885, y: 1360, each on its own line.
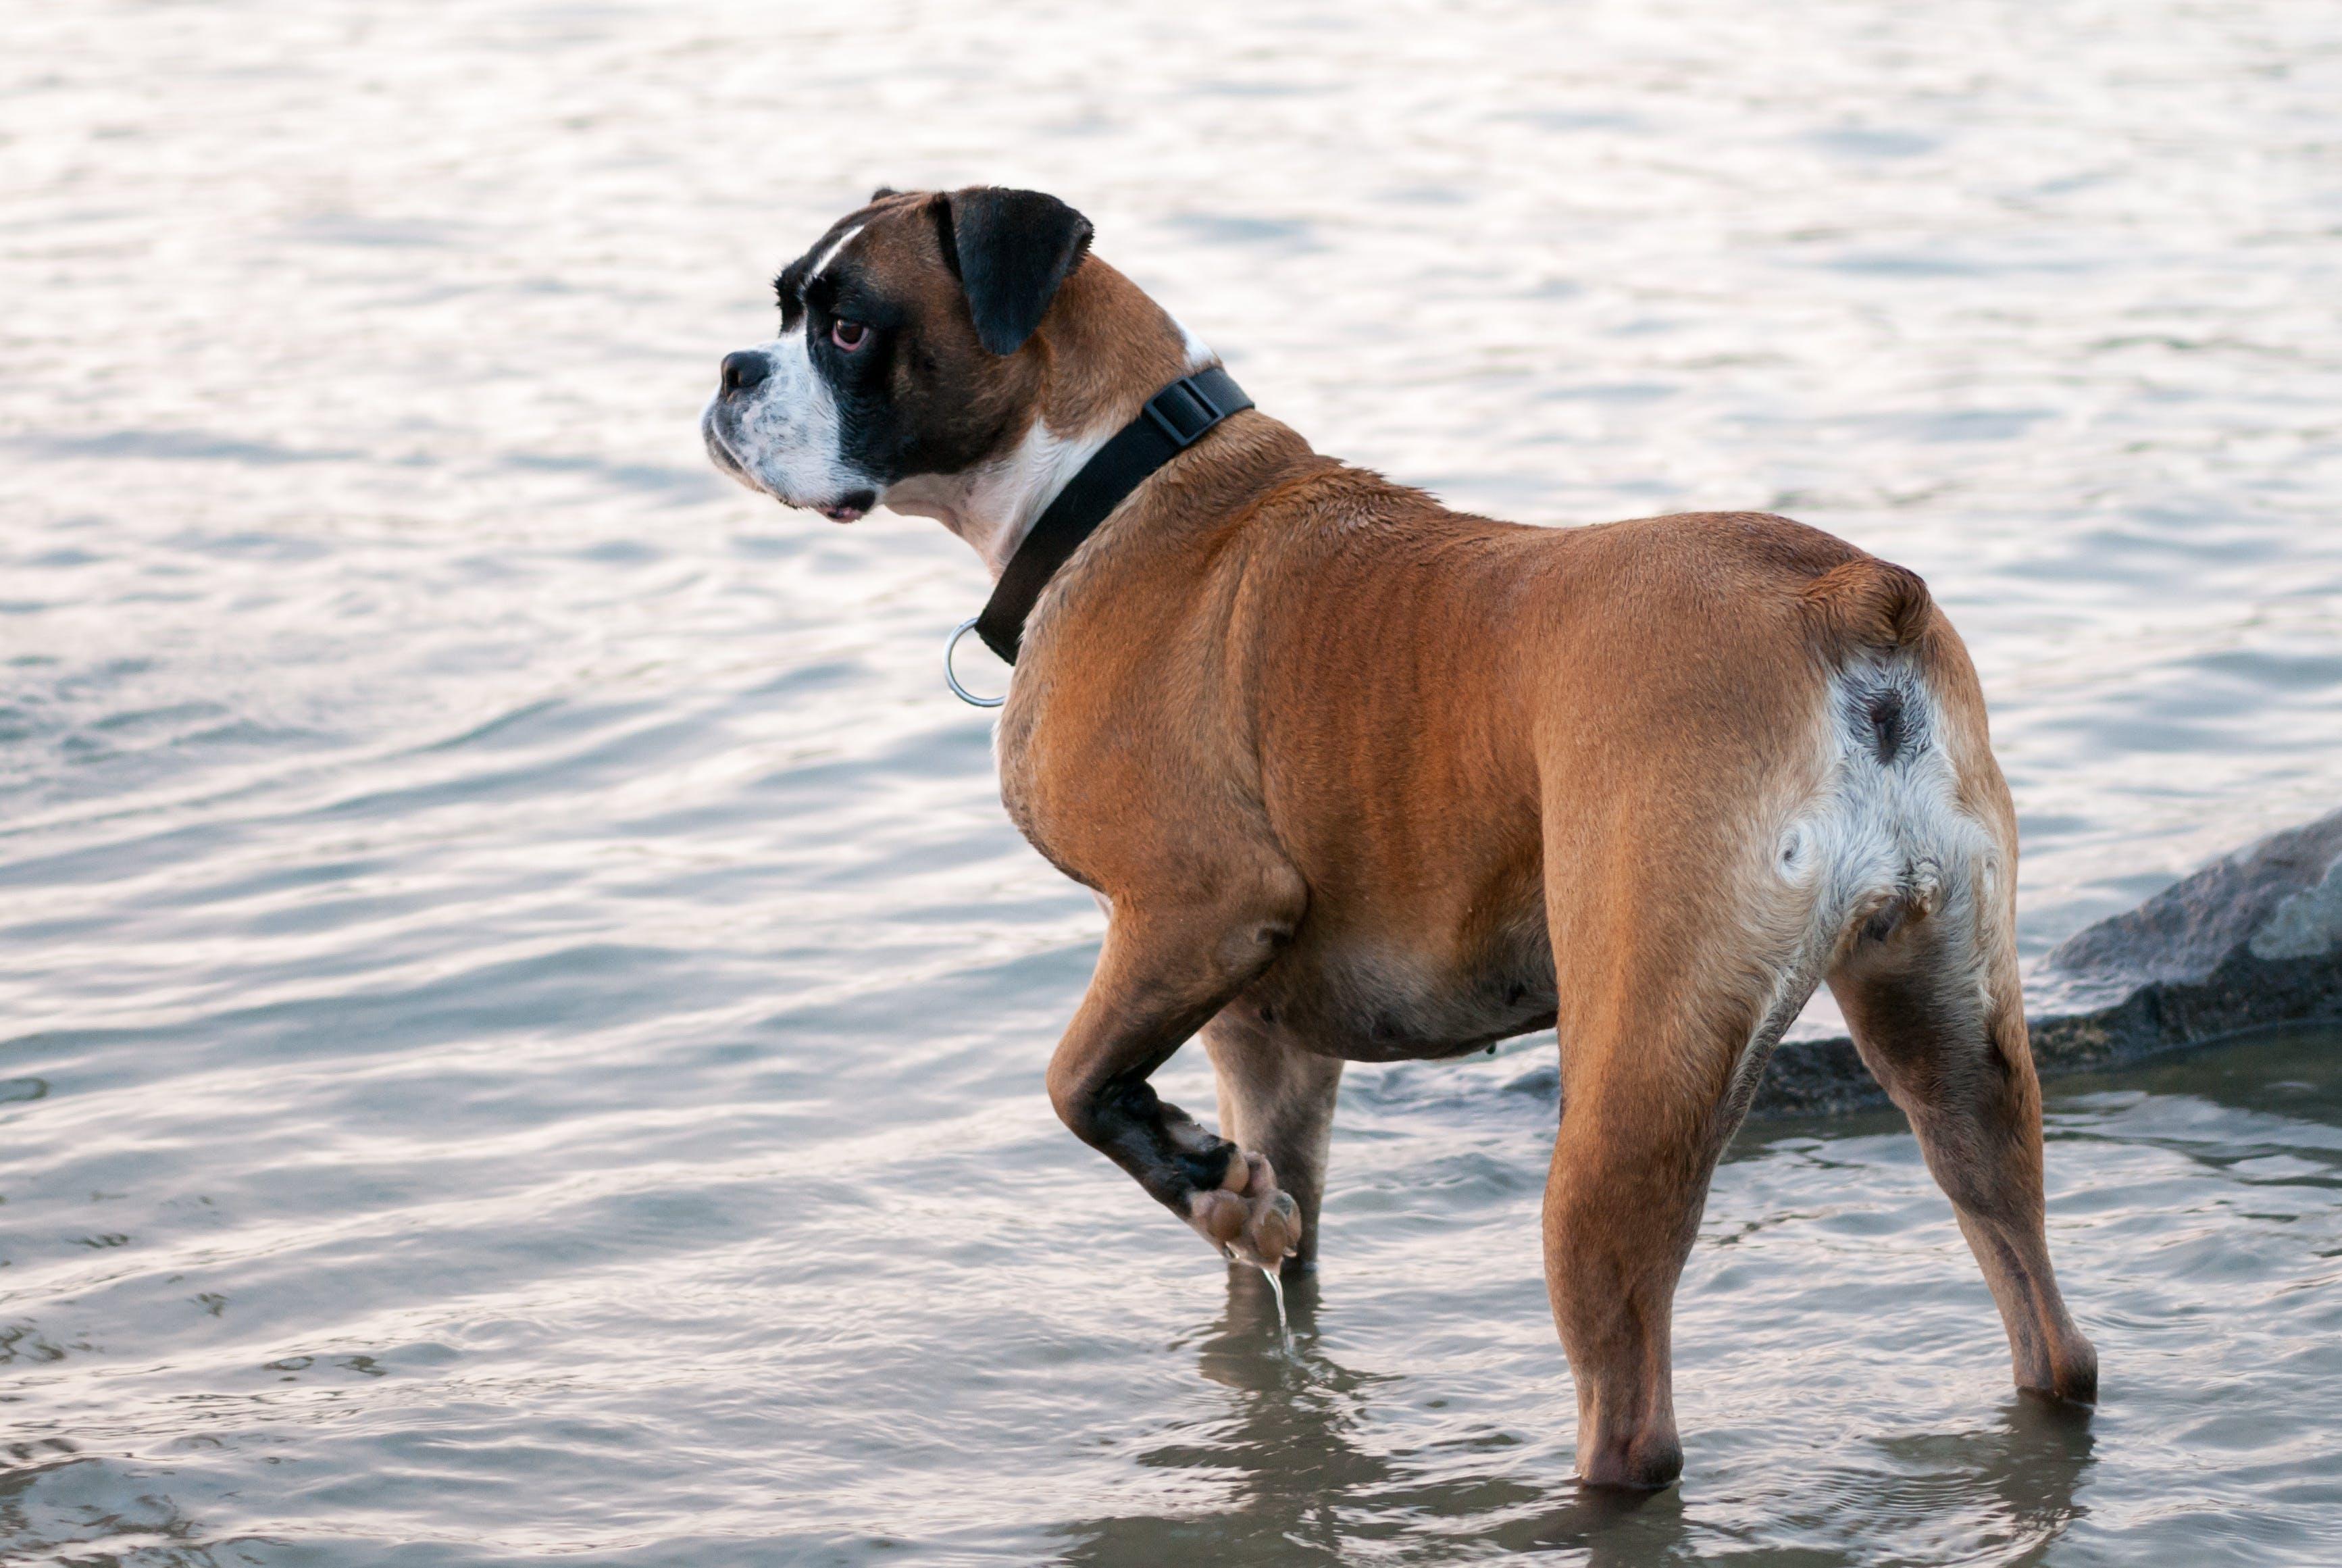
x: 525, y: 1018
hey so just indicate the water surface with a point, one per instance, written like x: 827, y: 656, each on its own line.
x: 524, y: 1017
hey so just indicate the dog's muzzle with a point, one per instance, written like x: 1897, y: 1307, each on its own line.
x: 774, y: 426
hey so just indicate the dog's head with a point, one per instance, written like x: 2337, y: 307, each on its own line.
x: 935, y: 343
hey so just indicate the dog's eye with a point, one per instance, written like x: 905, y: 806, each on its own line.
x: 848, y: 335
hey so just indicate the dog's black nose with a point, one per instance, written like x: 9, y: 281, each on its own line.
x: 744, y: 368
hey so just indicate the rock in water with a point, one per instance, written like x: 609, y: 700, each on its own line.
x: 2252, y: 939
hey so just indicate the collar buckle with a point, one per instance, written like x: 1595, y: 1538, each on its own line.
x: 1183, y: 411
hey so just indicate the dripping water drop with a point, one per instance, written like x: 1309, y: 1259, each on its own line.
x: 1276, y: 1289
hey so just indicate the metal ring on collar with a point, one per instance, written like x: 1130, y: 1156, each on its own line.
x: 962, y: 692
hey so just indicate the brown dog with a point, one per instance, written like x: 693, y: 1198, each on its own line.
x: 1359, y: 778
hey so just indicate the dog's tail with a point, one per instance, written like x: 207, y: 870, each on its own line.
x: 1895, y: 841
x: 1876, y: 832
x: 1866, y: 604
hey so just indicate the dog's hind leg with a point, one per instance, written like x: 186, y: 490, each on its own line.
x: 1935, y: 1009
x: 1165, y: 971
x: 1669, y: 1004
x: 1277, y: 1098
x: 1920, y: 858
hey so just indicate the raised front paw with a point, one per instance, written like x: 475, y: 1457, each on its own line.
x: 1246, y: 1216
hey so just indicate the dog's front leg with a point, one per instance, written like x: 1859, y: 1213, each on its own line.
x: 1161, y: 975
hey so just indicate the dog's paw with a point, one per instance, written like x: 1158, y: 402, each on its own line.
x: 1247, y: 1217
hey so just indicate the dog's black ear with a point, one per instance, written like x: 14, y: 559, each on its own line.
x: 882, y: 192
x: 1012, y: 250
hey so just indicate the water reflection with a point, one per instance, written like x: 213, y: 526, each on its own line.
x: 2292, y: 1071
x: 1992, y: 1495
x: 1307, y: 1486
x: 1287, y: 1443
x: 1613, y: 1528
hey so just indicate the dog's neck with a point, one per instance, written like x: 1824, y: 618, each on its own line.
x: 994, y: 504
x: 1109, y: 348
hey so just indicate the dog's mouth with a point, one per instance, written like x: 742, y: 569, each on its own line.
x: 851, y: 507
x: 719, y: 450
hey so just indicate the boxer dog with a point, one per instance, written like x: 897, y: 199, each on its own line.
x: 1357, y: 778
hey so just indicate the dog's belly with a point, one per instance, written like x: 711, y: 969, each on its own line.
x: 1377, y: 1002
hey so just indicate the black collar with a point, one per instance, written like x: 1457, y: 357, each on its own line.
x: 1174, y: 419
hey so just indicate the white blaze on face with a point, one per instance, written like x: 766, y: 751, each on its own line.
x: 829, y: 255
